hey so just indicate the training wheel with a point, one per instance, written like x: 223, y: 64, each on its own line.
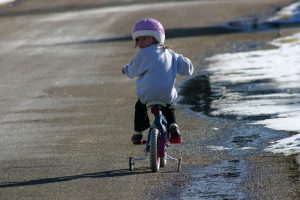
x: 131, y: 163
x: 179, y: 161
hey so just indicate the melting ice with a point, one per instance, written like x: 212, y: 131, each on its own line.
x: 260, y: 83
x: 263, y: 85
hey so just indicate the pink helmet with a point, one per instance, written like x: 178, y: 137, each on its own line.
x: 149, y: 27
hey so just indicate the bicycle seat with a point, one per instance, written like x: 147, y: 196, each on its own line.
x: 153, y: 103
x: 156, y: 106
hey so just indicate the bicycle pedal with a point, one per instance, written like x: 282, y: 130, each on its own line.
x: 176, y: 140
x: 143, y: 141
x: 139, y: 142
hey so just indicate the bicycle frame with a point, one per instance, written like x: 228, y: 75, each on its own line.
x: 161, y: 125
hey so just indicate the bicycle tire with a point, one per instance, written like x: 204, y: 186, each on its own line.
x: 163, y: 161
x: 131, y: 163
x: 154, y: 159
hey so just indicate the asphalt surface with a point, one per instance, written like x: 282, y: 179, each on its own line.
x: 66, y: 111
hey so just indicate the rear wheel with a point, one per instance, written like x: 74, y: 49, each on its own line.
x: 131, y: 163
x: 154, y: 159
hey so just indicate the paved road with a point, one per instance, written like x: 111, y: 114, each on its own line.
x: 66, y: 111
x: 58, y: 108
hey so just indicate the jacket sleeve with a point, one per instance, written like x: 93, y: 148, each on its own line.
x: 184, y: 66
x: 136, y: 67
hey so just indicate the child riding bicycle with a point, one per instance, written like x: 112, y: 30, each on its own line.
x: 155, y: 67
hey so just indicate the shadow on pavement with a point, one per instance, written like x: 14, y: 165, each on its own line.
x: 227, y: 28
x: 170, y: 33
x: 105, y: 174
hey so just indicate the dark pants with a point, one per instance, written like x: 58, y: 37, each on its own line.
x: 141, y: 119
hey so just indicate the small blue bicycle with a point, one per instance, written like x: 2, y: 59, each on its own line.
x: 157, y: 142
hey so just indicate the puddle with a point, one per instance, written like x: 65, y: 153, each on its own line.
x: 243, y: 140
x: 220, y: 180
x: 197, y: 94
x: 223, y: 179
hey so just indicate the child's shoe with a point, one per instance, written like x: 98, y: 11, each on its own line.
x: 137, y: 138
x: 175, y: 134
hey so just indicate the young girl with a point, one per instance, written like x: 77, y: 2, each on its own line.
x: 155, y: 67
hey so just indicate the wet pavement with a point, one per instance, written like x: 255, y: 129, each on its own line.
x: 212, y: 93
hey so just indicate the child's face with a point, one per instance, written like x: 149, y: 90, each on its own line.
x: 144, y: 41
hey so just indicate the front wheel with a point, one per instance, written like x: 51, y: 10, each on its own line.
x: 163, y: 161
x: 154, y: 159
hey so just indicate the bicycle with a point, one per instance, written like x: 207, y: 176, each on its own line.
x: 157, y: 141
